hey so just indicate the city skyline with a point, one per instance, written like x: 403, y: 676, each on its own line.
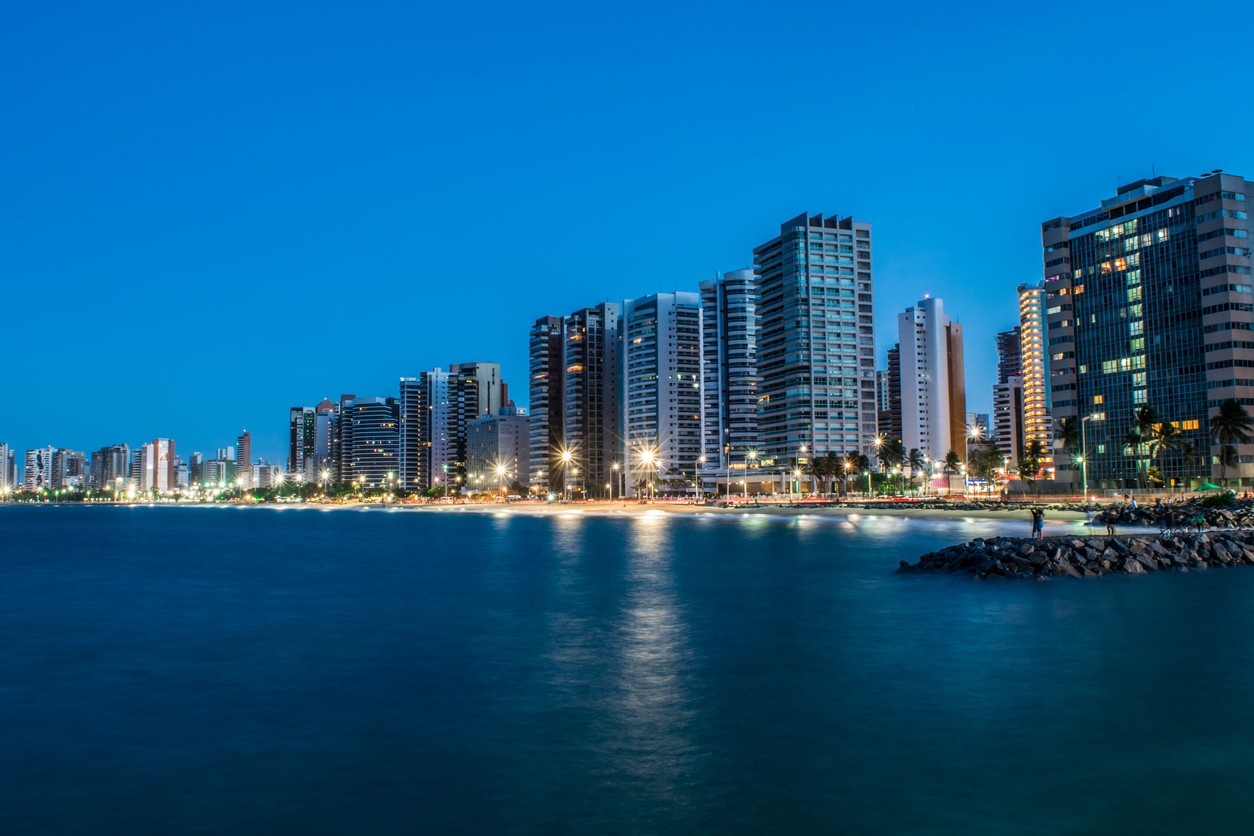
x: 341, y: 157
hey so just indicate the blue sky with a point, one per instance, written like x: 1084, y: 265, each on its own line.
x: 211, y: 213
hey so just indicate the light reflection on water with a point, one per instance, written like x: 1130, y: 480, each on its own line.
x: 513, y: 672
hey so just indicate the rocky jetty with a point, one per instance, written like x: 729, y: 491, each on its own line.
x: 1088, y: 557
x: 1182, y: 515
x: 970, y: 505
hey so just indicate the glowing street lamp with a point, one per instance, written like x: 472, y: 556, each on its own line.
x: 648, y: 458
x: 566, y: 457
x: 614, y: 467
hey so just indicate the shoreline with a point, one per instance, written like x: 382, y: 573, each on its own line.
x: 618, y: 508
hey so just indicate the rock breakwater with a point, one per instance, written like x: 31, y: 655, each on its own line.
x: 1088, y: 557
x: 1182, y: 515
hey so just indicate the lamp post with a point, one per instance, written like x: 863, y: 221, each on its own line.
x: 879, y: 442
x: 500, y: 475
x: 750, y: 461
x: 614, y: 467
x: 803, y: 450
x: 696, y: 483
x: 565, y: 466
x: 1084, y: 464
x: 648, y: 457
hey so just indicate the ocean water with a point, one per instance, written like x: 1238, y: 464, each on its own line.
x: 306, y: 671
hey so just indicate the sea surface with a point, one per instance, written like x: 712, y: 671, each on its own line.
x: 308, y: 671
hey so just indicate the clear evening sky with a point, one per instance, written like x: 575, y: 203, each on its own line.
x: 213, y: 213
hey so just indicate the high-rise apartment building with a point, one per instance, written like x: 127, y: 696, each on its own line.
x: 729, y: 370
x: 575, y: 408
x: 590, y: 397
x: 300, y: 448
x: 1037, y: 423
x: 888, y: 393
x: 156, y: 466
x: 1008, y: 354
x: 371, y: 441
x: 338, y: 427
x: 1148, y: 296
x: 412, y: 414
x: 497, y: 450
x: 69, y: 469
x: 933, y: 382
x: 661, y: 382
x: 489, y: 388
x: 816, y: 339
x: 38, y: 470
x: 436, y: 407
x: 324, y: 443
x: 545, y: 376
x: 8, y: 468
x: 244, y: 457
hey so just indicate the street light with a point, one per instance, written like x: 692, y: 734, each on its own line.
x: 614, y: 467
x: 1084, y: 465
x: 750, y: 463
x: 566, y: 457
x: 697, y: 482
x: 500, y: 475
x: 648, y: 457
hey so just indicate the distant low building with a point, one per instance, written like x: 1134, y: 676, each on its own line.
x: 218, y: 473
x: 494, y: 442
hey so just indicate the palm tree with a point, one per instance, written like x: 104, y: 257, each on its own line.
x: 818, y: 469
x: 859, y: 463
x: 916, y: 463
x: 1144, y: 420
x: 1035, y: 453
x: 994, y: 459
x: 1189, y: 456
x: 952, y: 463
x: 1132, y: 442
x: 845, y: 465
x: 1164, y: 436
x: 1232, y: 423
x: 1227, y: 458
x: 835, y: 466
x: 1068, y: 432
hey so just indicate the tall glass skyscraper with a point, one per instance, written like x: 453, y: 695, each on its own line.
x: 1149, y: 303
x: 816, y: 343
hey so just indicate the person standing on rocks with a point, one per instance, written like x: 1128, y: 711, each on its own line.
x: 1038, y: 524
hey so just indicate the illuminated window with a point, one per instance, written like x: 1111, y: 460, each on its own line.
x: 1098, y: 399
